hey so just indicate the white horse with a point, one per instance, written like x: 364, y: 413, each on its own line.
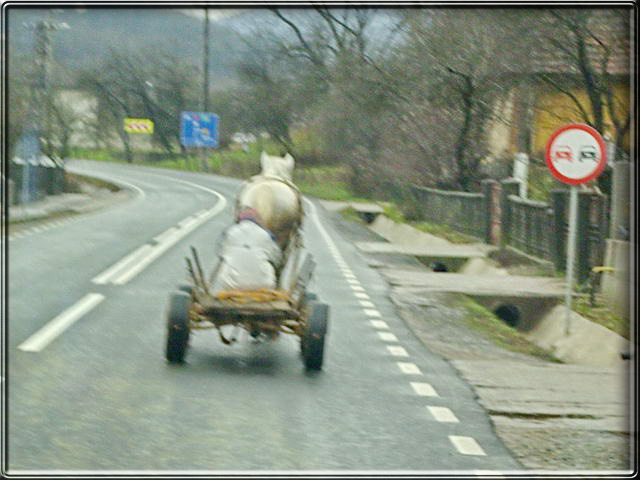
x: 275, y: 197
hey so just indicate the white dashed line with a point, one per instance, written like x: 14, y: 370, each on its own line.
x: 372, y: 312
x: 352, y: 281
x: 57, y: 325
x: 409, y: 368
x: 489, y: 473
x: 466, y: 445
x: 387, y: 337
x: 357, y: 288
x: 443, y: 414
x: 397, y: 351
x: 361, y: 295
x: 424, y: 389
x: 379, y: 324
x: 349, y: 275
x: 366, y: 303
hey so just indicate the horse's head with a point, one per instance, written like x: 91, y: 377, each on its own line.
x: 279, y: 167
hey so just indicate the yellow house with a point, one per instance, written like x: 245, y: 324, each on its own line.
x: 547, y: 97
x: 554, y: 109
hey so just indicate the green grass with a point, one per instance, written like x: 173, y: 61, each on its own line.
x: 351, y: 215
x: 492, y: 328
x: 601, y: 315
x: 441, y: 230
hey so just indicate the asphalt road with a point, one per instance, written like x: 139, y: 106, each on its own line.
x: 89, y: 388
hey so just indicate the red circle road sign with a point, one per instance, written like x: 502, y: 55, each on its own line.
x: 576, y: 154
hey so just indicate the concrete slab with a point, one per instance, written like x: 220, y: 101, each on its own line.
x: 440, y: 251
x: 587, y: 343
x: 499, y: 285
x: 590, y: 398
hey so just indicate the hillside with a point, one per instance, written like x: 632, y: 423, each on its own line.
x: 94, y: 32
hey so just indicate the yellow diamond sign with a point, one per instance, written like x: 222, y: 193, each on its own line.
x: 138, y: 125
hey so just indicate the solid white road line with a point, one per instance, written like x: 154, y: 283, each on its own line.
x: 409, y: 368
x: 158, y: 250
x: 424, y: 389
x: 379, y: 324
x: 115, y: 269
x: 57, y: 325
x: 397, y: 351
x: 387, y: 337
x: 443, y: 414
x: 167, y: 233
x: 466, y: 445
x: 146, y: 254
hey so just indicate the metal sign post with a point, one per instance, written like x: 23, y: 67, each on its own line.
x: 575, y: 154
x: 571, y: 254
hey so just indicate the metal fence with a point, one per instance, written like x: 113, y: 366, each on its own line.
x: 462, y: 211
x: 535, y: 228
x: 33, y: 182
x: 528, y: 226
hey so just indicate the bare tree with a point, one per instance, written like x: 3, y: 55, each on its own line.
x: 593, y: 45
x: 157, y: 87
x: 455, y: 67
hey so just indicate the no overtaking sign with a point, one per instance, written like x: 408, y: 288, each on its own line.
x: 576, y: 154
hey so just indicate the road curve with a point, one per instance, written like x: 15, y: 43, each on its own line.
x: 95, y: 394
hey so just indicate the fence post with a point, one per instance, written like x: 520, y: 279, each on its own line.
x: 510, y: 186
x: 559, y: 200
x: 620, y: 200
x: 491, y: 192
x: 583, y: 237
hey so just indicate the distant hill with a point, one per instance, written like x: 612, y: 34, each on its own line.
x: 94, y: 31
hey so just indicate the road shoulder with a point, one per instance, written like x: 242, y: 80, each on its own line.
x: 552, y: 416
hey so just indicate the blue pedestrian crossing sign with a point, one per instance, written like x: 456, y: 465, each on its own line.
x: 199, y: 129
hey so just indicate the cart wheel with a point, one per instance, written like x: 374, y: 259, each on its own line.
x: 313, y: 338
x: 307, y: 298
x: 177, y: 327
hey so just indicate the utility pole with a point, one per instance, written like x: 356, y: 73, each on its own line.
x: 36, y: 139
x: 205, y: 68
x: 205, y: 97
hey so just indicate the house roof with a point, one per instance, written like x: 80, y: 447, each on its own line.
x: 607, y: 35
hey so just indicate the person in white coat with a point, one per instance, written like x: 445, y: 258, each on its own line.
x: 249, y: 255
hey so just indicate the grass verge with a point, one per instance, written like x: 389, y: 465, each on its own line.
x: 602, y: 315
x: 440, y: 230
x: 495, y: 330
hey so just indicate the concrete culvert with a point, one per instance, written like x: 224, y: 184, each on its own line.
x: 439, y: 267
x: 509, y: 314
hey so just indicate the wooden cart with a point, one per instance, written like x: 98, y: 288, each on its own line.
x: 262, y: 313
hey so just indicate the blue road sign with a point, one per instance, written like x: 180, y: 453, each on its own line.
x: 199, y: 129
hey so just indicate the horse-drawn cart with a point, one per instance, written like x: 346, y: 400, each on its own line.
x: 264, y: 313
